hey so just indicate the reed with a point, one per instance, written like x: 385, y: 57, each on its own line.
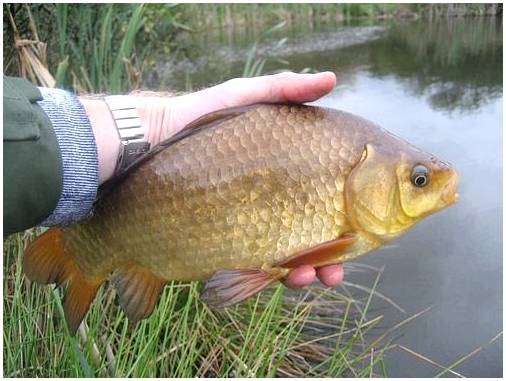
x: 92, y: 48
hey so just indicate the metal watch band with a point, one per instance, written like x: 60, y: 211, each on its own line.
x: 130, y: 131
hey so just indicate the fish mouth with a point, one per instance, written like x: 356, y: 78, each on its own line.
x: 450, y: 195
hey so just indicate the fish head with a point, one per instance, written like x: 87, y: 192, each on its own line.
x: 394, y: 186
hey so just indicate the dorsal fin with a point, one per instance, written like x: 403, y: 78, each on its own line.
x: 217, y: 117
x: 204, y: 122
x: 138, y: 290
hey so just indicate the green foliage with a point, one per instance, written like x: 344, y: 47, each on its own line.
x: 125, y: 50
x: 201, y: 16
x: 254, y: 65
x: 368, y: 10
x: 91, y: 47
x: 97, y: 60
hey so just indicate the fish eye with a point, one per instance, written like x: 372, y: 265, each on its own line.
x: 420, y: 176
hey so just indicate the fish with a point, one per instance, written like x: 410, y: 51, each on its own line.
x: 239, y: 198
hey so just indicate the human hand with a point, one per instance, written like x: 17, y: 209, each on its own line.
x: 167, y: 116
x: 162, y: 117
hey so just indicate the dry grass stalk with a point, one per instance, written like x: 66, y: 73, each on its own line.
x: 424, y: 358
x: 32, y: 55
x: 134, y: 74
x: 95, y: 353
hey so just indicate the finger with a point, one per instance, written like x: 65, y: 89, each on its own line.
x: 282, y: 87
x: 300, y: 277
x: 276, y: 88
x: 330, y: 275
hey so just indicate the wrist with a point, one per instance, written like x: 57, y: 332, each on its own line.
x: 106, y: 136
x: 155, y: 115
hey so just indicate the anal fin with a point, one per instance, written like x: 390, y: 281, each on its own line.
x: 138, y: 290
x: 228, y: 287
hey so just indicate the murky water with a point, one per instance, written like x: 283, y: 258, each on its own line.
x: 439, y: 85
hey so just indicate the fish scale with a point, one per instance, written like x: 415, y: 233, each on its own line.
x: 286, y: 182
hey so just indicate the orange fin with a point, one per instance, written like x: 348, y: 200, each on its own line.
x: 227, y: 287
x: 45, y: 261
x: 323, y: 254
x: 138, y: 290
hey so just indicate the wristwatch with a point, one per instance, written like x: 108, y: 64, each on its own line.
x: 128, y: 124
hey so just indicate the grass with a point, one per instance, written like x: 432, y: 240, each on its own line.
x: 255, y: 63
x: 318, y: 333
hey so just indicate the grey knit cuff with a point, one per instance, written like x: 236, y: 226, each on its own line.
x: 79, y: 156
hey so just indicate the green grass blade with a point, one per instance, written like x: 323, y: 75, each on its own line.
x: 116, y: 76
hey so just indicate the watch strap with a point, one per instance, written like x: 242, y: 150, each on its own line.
x: 131, y: 133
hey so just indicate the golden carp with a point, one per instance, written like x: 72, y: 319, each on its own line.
x: 241, y: 197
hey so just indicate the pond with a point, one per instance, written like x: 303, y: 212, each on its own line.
x: 438, y: 84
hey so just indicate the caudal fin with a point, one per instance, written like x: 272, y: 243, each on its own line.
x: 45, y: 261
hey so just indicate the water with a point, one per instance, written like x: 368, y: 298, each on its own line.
x: 439, y: 85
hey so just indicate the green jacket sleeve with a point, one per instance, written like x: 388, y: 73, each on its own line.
x: 32, y: 160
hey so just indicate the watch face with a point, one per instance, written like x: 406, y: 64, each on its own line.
x: 131, y: 152
x: 136, y: 148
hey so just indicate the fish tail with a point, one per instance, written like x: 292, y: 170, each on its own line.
x: 46, y: 261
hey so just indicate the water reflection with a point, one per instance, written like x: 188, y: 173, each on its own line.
x: 436, y: 58
x: 440, y: 58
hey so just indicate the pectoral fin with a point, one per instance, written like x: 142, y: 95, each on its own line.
x: 228, y: 287
x: 323, y: 254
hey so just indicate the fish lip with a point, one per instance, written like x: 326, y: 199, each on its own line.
x: 450, y: 195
